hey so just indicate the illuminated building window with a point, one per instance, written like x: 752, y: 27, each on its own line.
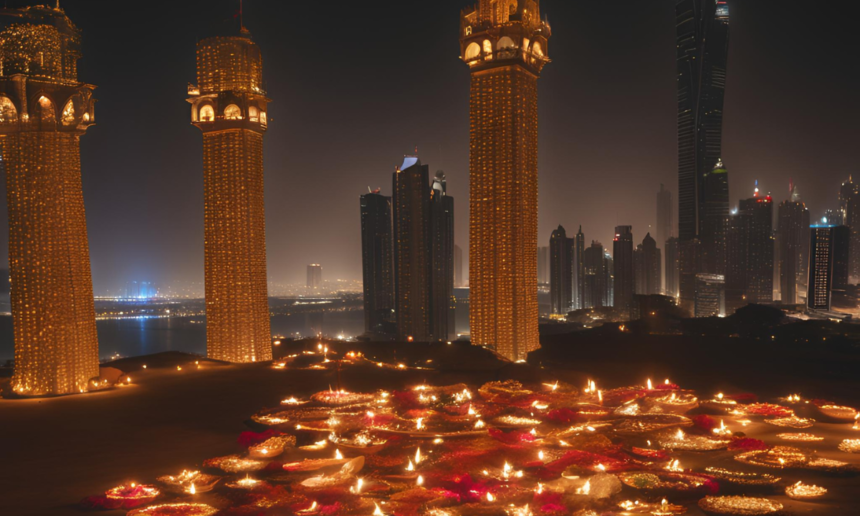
x: 263, y: 117
x: 472, y: 51
x: 46, y: 110
x: 8, y: 113
x: 207, y: 114
x: 254, y: 114
x: 232, y: 112
x: 469, y: 30
x: 68, y: 116
x: 488, y: 49
x: 537, y: 49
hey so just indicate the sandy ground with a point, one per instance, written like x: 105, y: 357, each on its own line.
x: 54, y: 452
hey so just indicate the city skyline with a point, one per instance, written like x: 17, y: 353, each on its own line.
x: 140, y: 229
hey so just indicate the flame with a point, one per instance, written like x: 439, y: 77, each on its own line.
x: 585, y: 489
x: 479, y: 424
x: 490, y: 497
x: 650, y: 385
x: 539, y: 488
x: 419, y: 424
x: 411, y: 466
x: 420, y: 481
x: 192, y: 489
x: 540, y: 455
x: 600, y: 467
x: 680, y: 435
x: 377, y: 511
x: 418, y: 456
x: 338, y: 455
x: 720, y: 396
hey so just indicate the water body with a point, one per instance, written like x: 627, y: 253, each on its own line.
x: 134, y: 337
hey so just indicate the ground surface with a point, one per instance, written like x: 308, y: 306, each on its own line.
x: 53, y: 452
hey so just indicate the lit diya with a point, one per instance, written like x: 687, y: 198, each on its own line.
x: 850, y: 446
x: 838, y: 413
x: 720, y: 402
x: 830, y: 466
x: 316, y: 464
x: 800, y: 436
x: 677, y: 403
x: 183, y: 482
x: 246, y: 483
x: 791, y: 422
x: 235, y: 464
x: 651, y: 423
x: 662, y: 481
x: 778, y: 457
x: 765, y: 409
x: 271, y: 447
x: 663, y: 508
x: 341, y: 398
x: 362, y: 442
x: 133, y: 495
x: 511, y: 421
x: 739, y: 505
x: 176, y: 509
x: 683, y: 442
x: 801, y: 491
x: 742, y: 478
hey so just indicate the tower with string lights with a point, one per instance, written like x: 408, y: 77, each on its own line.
x: 504, y: 44
x: 229, y: 106
x: 44, y: 110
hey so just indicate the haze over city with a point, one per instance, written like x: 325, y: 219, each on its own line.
x: 347, y: 108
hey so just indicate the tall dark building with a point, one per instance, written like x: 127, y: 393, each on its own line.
x: 376, y: 262
x: 622, y: 253
x: 561, y: 277
x: 458, y: 267
x: 671, y: 267
x: 442, y: 301
x: 314, y: 282
x: 841, y: 257
x: 594, y: 276
x: 749, y: 274
x: 849, y: 201
x: 647, y: 267
x: 847, y: 191
x: 712, y: 225
x: 702, y: 49
x: 828, y: 245
x: 412, y: 267
x: 665, y: 225
x: 609, y: 282
x: 578, y: 271
x: 793, y: 246
x: 710, y: 295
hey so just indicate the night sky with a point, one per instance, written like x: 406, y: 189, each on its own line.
x: 356, y: 85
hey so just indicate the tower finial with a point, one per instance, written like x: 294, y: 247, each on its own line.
x: 241, y: 15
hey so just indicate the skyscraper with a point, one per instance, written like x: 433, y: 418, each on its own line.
x: 543, y: 265
x: 712, y: 227
x: 505, y: 44
x: 841, y: 256
x: 442, y: 301
x: 849, y: 200
x: 229, y: 107
x: 561, y: 277
x: 702, y: 50
x: 594, y: 276
x: 458, y: 267
x: 827, y: 243
x: 793, y: 239
x: 314, y: 282
x: 412, y: 263
x: 578, y: 272
x: 376, y: 261
x: 665, y: 225
x: 749, y: 275
x: 44, y: 110
x: 710, y: 295
x: 671, y: 267
x: 647, y: 267
x: 622, y: 251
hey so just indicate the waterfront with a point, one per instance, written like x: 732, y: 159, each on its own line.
x: 145, y: 336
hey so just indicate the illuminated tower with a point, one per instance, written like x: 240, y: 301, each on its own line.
x: 229, y: 106
x: 44, y: 110
x: 504, y: 43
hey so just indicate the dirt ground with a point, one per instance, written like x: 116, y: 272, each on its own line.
x: 54, y: 452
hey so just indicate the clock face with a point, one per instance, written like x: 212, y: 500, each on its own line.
x: 232, y: 112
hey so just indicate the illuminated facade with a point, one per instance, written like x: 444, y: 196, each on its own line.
x: 44, y: 110
x: 504, y: 43
x: 560, y: 273
x: 229, y: 106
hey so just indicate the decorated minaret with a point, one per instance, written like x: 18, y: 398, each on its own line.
x: 44, y: 110
x: 504, y: 43
x: 229, y: 106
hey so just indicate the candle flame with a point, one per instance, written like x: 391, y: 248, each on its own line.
x: 411, y: 466
x: 418, y: 456
x: 479, y: 424
x: 419, y: 424
x: 192, y: 489
x: 650, y: 385
x: 540, y: 455
x: 420, y: 481
x: 338, y: 455
x: 539, y: 489
x: 490, y: 497
x: 377, y: 511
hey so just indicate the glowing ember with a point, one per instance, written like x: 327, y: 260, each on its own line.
x: 801, y: 491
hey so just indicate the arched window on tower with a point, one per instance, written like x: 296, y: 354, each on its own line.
x: 537, y: 49
x: 68, y: 117
x: 506, y: 47
x: 46, y: 110
x: 207, y: 114
x: 254, y: 114
x: 263, y: 120
x: 8, y: 113
x: 232, y: 112
x: 472, y: 51
x: 488, y: 49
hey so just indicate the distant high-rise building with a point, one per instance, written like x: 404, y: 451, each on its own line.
x: 44, y: 110
x: 594, y: 276
x: 827, y: 243
x: 229, y: 107
x: 647, y: 267
x: 609, y: 268
x: 792, y: 235
x: 505, y: 44
x: 702, y: 30
x: 847, y: 191
x: 442, y: 301
x: 841, y: 257
x: 712, y: 227
x: 376, y: 262
x: 578, y: 271
x: 849, y: 200
x: 671, y: 267
x: 412, y: 262
x: 314, y: 282
x: 624, y: 282
x: 665, y: 224
x: 710, y: 295
x: 749, y: 274
x: 561, y: 276
x: 543, y: 265
x: 458, y: 267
